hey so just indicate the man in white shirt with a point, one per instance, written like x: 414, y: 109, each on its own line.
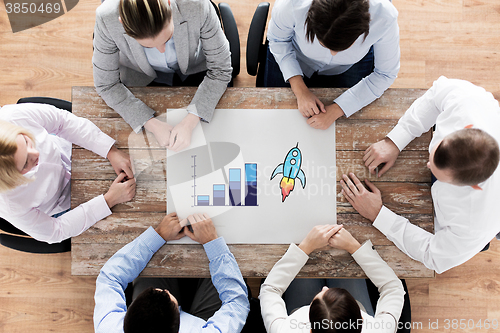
x: 464, y: 158
x: 333, y: 43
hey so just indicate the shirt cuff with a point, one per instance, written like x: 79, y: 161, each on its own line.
x: 366, y: 247
x: 290, y: 68
x: 192, y: 109
x: 298, y: 253
x: 216, y: 248
x: 400, y: 137
x: 348, y: 103
x: 100, y: 207
x: 385, y: 220
x: 139, y: 128
x: 105, y: 144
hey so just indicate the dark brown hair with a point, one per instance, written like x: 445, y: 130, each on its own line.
x: 152, y: 311
x: 470, y: 154
x: 144, y: 18
x: 336, y: 311
x: 337, y: 23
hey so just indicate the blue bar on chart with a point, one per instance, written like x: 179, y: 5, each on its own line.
x: 203, y: 200
x: 235, y: 187
x: 250, y: 184
x: 219, y: 195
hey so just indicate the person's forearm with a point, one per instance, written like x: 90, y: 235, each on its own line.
x: 45, y: 228
x: 436, y: 251
x: 383, y: 277
x: 279, y: 278
x: 223, y: 263
x: 228, y: 281
x: 130, y: 266
x: 121, y: 269
x: 297, y: 84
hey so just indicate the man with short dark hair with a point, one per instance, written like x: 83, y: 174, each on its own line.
x: 157, y: 309
x: 333, y: 43
x: 464, y: 157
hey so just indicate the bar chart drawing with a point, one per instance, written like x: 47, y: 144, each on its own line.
x: 234, y: 189
x: 250, y: 184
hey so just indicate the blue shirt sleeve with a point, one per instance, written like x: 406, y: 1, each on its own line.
x: 121, y: 269
x: 280, y: 34
x: 386, y: 60
x: 228, y: 281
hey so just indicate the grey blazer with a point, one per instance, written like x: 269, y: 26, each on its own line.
x: 119, y: 60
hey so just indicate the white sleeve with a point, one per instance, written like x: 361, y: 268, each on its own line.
x: 441, y: 251
x: 272, y: 306
x: 280, y: 34
x: 390, y: 288
x: 45, y: 228
x: 422, y: 114
x: 62, y: 123
x: 386, y: 59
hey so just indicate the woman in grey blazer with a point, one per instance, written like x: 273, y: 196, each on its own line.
x: 137, y: 42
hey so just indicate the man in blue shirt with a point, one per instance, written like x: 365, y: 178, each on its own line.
x: 158, y: 310
x: 333, y: 43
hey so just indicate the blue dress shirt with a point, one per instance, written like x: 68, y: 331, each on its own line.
x: 126, y: 264
x: 296, y: 56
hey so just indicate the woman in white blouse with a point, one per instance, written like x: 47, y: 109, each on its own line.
x: 331, y: 308
x: 35, y: 171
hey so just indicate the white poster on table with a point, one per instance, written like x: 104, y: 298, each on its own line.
x: 263, y: 176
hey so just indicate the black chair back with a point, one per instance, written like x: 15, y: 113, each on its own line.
x: 256, y: 48
x: 58, y: 103
x: 232, y: 35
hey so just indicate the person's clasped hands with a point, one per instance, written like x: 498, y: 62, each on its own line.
x: 172, y: 228
x: 333, y: 235
x: 175, y: 138
x: 123, y: 187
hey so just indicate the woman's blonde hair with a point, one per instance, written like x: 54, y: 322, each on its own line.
x: 144, y: 18
x: 10, y: 177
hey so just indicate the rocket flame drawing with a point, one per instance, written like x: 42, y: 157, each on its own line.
x: 290, y: 169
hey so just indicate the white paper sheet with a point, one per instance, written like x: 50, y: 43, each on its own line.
x: 262, y: 137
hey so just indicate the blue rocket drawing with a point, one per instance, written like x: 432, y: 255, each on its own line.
x: 290, y: 169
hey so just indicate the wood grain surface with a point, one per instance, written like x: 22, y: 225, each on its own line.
x: 405, y: 188
x: 458, y: 39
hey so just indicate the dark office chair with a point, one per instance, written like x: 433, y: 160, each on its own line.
x: 256, y: 48
x: 231, y: 32
x: 404, y: 325
x: 17, y: 239
x: 58, y: 103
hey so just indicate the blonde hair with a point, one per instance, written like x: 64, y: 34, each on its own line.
x: 10, y: 177
x: 144, y: 18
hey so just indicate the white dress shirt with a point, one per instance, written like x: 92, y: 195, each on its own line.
x: 29, y: 207
x: 273, y: 308
x: 296, y: 56
x: 465, y: 219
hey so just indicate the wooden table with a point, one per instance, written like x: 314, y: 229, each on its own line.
x: 405, y: 188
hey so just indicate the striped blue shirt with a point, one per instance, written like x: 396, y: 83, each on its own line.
x: 126, y: 264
